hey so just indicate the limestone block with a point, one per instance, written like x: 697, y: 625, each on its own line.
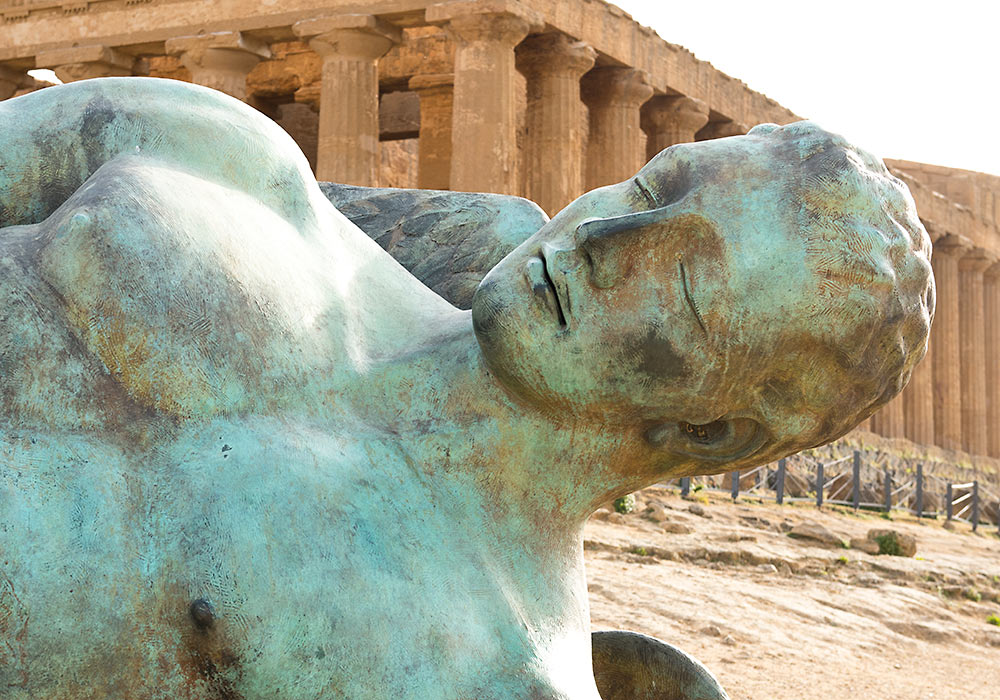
x: 292, y: 65
x: 220, y: 60
x: 672, y: 119
x: 423, y: 51
x: 83, y: 62
x: 721, y: 129
x: 399, y: 115
x: 353, y: 35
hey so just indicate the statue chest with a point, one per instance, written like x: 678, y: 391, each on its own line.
x: 250, y: 573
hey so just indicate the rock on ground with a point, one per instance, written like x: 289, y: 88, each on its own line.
x: 816, y: 533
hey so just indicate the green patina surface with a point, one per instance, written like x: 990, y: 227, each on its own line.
x: 245, y: 454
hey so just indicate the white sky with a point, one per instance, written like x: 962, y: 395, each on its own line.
x: 914, y: 80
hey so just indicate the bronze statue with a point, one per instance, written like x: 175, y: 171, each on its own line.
x: 245, y: 454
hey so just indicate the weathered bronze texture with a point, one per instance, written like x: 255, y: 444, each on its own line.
x: 245, y: 454
x: 632, y: 666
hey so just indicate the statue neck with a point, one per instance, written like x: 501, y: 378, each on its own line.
x: 418, y: 380
x: 455, y: 421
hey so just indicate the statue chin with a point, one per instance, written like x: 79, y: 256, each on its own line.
x: 497, y: 325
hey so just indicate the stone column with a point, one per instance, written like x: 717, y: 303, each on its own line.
x: 84, y: 62
x: 671, y: 119
x: 555, y: 140
x: 436, y: 92
x: 616, y: 148
x: 889, y: 421
x: 484, y: 121
x: 945, y: 334
x: 221, y: 60
x: 991, y: 294
x: 972, y: 325
x: 918, y: 401
x: 722, y: 129
x: 350, y: 46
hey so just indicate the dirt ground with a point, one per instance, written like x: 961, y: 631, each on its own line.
x: 777, y: 618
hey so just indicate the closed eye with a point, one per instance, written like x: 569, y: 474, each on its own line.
x: 687, y: 296
x: 645, y: 191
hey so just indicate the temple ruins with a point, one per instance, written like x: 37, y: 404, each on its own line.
x: 539, y: 98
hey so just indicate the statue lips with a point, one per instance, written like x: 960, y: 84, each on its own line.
x: 544, y: 288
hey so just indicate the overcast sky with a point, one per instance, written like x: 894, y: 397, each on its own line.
x: 914, y: 80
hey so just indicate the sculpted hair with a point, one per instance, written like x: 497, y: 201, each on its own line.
x: 866, y: 314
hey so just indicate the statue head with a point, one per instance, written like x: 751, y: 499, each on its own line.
x: 736, y: 301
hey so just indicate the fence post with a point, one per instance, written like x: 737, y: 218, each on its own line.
x: 819, y: 485
x: 920, y: 490
x: 856, y: 479
x: 780, y: 486
x: 888, y: 490
x: 735, y: 476
x: 975, y: 505
x: 685, y: 486
x: 948, y: 499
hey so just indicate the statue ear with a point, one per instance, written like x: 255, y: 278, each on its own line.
x: 723, y: 440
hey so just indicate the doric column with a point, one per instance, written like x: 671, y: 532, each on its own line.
x: 918, y: 401
x: 721, y: 129
x: 553, y: 65
x: 221, y: 60
x: 889, y: 421
x: 350, y: 46
x: 84, y: 62
x: 671, y: 119
x: 991, y: 295
x: 972, y: 325
x: 436, y: 92
x: 616, y: 147
x: 945, y: 334
x: 484, y: 117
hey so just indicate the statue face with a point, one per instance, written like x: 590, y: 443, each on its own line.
x: 609, y: 309
x: 677, y: 301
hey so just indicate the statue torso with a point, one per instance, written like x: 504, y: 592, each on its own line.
x: 326, y: 567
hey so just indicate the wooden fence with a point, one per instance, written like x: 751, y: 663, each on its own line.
x: 852, y: 481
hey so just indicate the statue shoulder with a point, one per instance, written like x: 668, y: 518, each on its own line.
x: 66, y: 133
